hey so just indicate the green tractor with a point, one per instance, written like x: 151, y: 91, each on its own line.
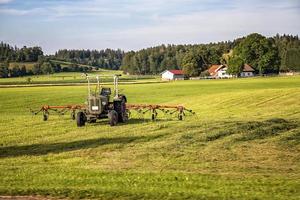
x: 101, y: 105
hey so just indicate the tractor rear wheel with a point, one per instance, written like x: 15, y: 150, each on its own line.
x: 113, y: 118
x: 80, y: 119
x: 120, y: 108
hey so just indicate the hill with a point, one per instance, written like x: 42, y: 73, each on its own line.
x: 243, y: 144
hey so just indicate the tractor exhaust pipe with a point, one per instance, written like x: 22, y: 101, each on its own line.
x: 116, y: 82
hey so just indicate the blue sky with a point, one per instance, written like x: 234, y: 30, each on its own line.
x: 136, y: 24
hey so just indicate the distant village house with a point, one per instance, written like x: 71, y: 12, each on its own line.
x: 219, y: 71
x: 172, y: 75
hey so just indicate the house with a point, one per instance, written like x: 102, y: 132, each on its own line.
x: 248, y: 71
x: 172, y: 75
x: 219, y: 71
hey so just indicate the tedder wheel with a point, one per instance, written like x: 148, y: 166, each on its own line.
x: 113, y: 118
x: 73, y: 115
x: 180, y: 117
x: 45, y: 117
x: 80, y: 119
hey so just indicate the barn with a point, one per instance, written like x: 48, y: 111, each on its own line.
x: 174, y: 74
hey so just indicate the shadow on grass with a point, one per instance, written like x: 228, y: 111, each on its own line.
x: 105, y: 122
x: 43, y: 149
x: 252, y: 130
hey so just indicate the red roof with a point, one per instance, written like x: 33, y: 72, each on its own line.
x: 248, y: 68
x: 213, y: 69
x: 176, y: 72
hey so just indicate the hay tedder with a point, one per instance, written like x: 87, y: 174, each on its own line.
x: 101, y: 105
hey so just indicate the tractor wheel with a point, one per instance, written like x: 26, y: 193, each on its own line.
x: 113, y: 118
x: 80, y: 119
x: 120, y: 108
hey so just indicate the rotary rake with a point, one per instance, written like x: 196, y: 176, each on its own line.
x: 100, y: 105
x: 133, y: 110
x: 154, y: 110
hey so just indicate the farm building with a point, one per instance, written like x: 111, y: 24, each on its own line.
x: 172, y: 75
x: 219, y: 71
x: 248, y: 71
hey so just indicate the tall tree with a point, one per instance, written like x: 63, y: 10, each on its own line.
x: 235, y: 65
x: 192, y: 64
x: 46, y: 68
x: 259, y: 52
x: 4, y: 70
x: 293, y: 59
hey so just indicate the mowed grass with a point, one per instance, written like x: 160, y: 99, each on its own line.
x: 106, y: 76
x: 244, y: 143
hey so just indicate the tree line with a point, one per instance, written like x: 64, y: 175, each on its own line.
x: 265, y: 55
x: 13, y: 62
x: 43, y: 66
x: 106, y: 59
x: 24, y: 54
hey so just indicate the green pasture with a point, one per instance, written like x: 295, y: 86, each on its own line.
x: 75, y: 77
x: 72, y: 77
x: 244, y: 143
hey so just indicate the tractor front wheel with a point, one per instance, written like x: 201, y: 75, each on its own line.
x: 113, y: 118
x: 80, y: 119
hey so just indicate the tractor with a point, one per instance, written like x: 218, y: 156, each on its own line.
x: 101, y: 105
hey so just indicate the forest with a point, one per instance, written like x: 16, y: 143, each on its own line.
x: 266, y: 55
x: 106, y: 59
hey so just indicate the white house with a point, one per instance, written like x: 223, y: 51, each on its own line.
x: 219, y: 71
x: 172, y: 75
x: 248, y: 71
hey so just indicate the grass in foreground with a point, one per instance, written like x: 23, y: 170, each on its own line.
x: 243, y: 144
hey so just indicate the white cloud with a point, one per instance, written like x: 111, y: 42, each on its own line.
x: 5, y: 1
x: 135, y: 24
x: 19, y: 12
x: 210, y: 26
x: 11, y: 11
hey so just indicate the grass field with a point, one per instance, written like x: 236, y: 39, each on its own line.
x: 74, y: 77
x: 243, y: 144
x: 71, y: 77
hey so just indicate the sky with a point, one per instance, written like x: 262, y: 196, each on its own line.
x: 137, y: 24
